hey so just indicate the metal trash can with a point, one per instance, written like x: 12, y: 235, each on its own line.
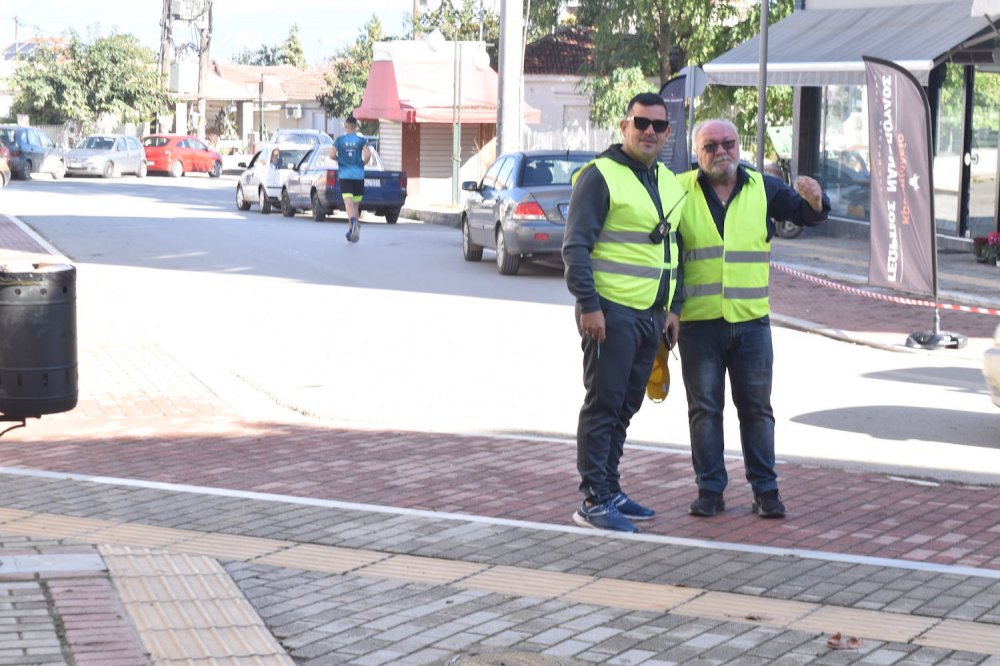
x: 38, y: 362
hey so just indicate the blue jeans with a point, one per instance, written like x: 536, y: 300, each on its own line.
x: 709, y: 349
x: 615, y: 373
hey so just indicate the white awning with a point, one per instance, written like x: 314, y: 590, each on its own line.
x: 820, y: 47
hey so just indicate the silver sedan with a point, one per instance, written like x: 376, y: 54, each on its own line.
x: 107, y: 155
x: 519, y: 208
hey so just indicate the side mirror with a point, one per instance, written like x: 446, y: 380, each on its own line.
x: 470, y: 186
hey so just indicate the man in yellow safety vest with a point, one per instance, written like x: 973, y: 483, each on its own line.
x: 725, y: 324
x: 621, y: 263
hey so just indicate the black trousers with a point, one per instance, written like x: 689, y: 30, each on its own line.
x: 615, y: 373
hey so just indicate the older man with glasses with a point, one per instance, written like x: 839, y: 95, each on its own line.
x: 725, y: 318
x: 621, y: 262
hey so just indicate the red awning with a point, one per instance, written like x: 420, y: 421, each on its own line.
x: 411, y: 82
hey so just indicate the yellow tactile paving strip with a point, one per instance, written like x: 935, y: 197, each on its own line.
x: 182, y: 600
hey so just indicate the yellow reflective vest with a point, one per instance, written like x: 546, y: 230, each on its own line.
x: 628, y: 266
x: 725, y: 278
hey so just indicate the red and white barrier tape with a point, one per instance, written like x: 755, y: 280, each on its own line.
x: 885, y: 297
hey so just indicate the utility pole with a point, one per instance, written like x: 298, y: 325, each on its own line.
x: 205, y: 31
x: 164, y: 52
x: 511, y: 67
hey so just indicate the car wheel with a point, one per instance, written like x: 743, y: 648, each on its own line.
x: 216, y: 170
x: 241, y: 203
x: 786, y: 229
x: 264, y: 201
x: 319, y: 213
x: 507, y: 264
x: 109, y: 170
x: 470, y: 250
x: 286, y: 205
x: 28, y: 169
x: 176, y: 169
x: 143, y: 170
x: 392, y: 215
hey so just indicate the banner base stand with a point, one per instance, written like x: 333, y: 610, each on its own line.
x: 936, y: 340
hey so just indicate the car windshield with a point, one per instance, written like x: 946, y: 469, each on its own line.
x: 96, y: 143
x: 551, y: 170
x: 300, y: 137
x: 155, y: 141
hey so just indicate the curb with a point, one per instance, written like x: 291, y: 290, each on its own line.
x: 446, y: 218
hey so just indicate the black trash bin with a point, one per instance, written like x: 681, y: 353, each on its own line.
x: 38, y: 363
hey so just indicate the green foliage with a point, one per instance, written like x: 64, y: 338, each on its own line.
x: 660, y: 36
x: 292, y: 51
x: 611, y: 94
x: 346, y: 85
x: 463, y: 24
x: 114, y: 75
x: 289, y: 52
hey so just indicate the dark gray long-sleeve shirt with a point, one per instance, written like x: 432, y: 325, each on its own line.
x: 588, y: 208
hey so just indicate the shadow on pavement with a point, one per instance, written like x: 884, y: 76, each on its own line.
x: 901, y: 423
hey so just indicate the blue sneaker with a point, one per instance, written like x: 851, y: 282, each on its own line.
x: 603, y: 517
x: 355, y: 231
x: 630, y: 509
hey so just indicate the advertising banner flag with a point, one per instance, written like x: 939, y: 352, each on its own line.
x: 675, y: 151
x: 902, y: 205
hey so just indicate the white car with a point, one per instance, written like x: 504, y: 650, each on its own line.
x: 991, y: 367
x: 265, y: 175
x: 106, y: 155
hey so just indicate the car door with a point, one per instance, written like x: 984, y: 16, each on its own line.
x: 301, y: 179
x: 250, y: 178
x: 200, y: 155
x: 501, y: 197
x: 480, y: 204
x: 51, y: 153
x: 129, y: 158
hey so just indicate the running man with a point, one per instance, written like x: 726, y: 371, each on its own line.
x: 352, y: 154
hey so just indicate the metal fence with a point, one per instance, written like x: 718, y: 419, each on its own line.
x: 594, y: 139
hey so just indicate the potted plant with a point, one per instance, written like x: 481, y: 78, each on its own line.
x: 987, y: 248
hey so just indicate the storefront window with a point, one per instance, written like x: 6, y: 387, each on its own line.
x: 948, y: 156
x: 843, y: 159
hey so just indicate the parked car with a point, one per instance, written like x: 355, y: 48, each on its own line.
x: 310, y: 136
x: 991, y: 367
x: 314, y: 186
x: 32, y: 151
x: 4, y: 166
x: 179, y: 154
x: 263, y: 178
x: 107, y: 155
x: 519, y: 208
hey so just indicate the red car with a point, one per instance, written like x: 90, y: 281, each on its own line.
x: 179, y: 154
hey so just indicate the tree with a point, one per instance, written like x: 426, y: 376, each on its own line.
x: 289, y: 52
x: 346, y: 85
x: 463, y: 24
x: 292, y: 51
x: 610, y: 94
x: 113, y: 76
x: 659, y: 36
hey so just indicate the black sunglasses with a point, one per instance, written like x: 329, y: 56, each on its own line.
x: 642, y: 124
x: 712, y: 146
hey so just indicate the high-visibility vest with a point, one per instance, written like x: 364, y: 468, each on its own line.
x: 627, y: 265
x: 725, y: 278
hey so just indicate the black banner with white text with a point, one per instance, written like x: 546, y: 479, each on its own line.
x: 902, y: 207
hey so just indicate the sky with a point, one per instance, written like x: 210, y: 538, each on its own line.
x: 325, y: 26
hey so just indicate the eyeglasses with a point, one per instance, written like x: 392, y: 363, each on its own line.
x: 713, y: 146
x: 642, y: 124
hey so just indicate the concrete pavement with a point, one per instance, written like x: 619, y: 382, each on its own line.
x: 157, y: 523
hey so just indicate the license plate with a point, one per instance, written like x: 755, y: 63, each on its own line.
x: 371, y: 182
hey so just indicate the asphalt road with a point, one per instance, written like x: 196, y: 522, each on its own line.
x: 277, y: 314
